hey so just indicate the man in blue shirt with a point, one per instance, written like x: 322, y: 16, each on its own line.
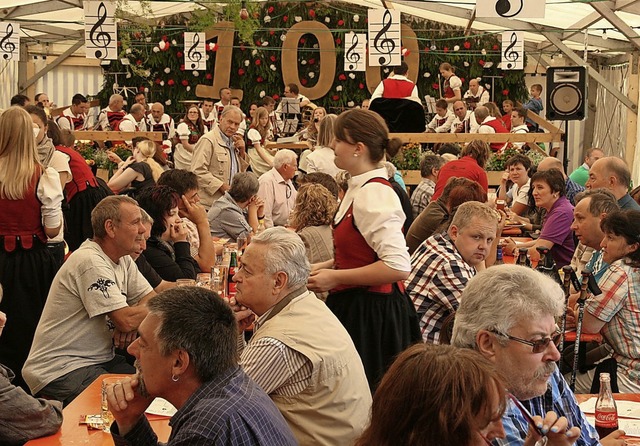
x: 507, y: 313
x: 186, y: 354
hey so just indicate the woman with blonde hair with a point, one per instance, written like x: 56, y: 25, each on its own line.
x: 322, y: 159
x: 30, y: 199
x: 138, y: 172
x: 260, y: 131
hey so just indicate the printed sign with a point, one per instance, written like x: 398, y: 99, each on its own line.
x: 100, y: 30
x: 384, y: 38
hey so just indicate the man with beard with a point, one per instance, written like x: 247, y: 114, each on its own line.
x: 186, y: 354
x: 96, y: 300
x: 507, y: 313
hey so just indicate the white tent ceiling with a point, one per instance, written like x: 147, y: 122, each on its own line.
x: 61, y: 21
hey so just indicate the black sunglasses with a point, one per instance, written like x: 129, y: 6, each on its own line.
x: 538, y: 346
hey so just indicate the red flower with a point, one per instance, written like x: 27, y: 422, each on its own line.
x: 185, y: 82
x: 338, y: 41
x: 270, y: 10
x: 141, y: 88
x: 241, y: 71
x: 137, y: 35
x: 312, y: 61
x: 285, y: 18
x: 446, y: 49
x: 406, y: 52
x: 157, y: 81
x: 164, y: 38
x: 426, y: 49
x: 342, y: 77
x: 505, y: 92
x: 258, y: 43
x: 273, y: 58
x: 303, y: 41
x: 462, y: 80
x: 466, y: 45
x: 182, y: 67
x: 335, y: 97
x: 259, y: 79
x: 258, y: 62
x: 271, y: 33
x: 303, y: 81
x: 166, y: 46
x: 208, y: 76
x: 361, y: 86
x: 119, y: 43
x: 312, y: 13
x: 340, y: 22
x: 435, y: 86
x: 495, y: 47
x: 481, y: 62
x: 276, y: 97
x: 138, y: 62
x: 179, y: 54
x: 171, y: 82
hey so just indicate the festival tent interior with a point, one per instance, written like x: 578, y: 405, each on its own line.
x: 600, y: 35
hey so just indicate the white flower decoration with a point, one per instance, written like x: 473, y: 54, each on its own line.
x: 167, y: 70
x: 188, y: 88
x: 283, y: 37
x: 339, y: 88
x: 128, y: 76
x: 404, y: 51
x: 265, y: 43
x: 262, y: 93
x: 156, y: 49
x: 351, y: 103
x: 352, y: 76
x: 487, y: 86
x: 356, y: 18
x: 427, y: 74
x: 483, y: 52
x: 254, y: 52
x: 162, y: 44
x: 297, y: 19
x: 315, y: 45
x: 303, y: 62
x: 312, y: 75
x: 162, y: 83
x: 173, y: 42
x: 456, y: 48
x: 247, y: 63
x: 433, y: 47
x: 128, y: 51
x: 465, y: 63
x: 167, y: 102
x: 327, y: 19
x: 212, y: 46
x: 147, y: 39
x: 146, y: 89
x: 386, y: 71
x: 488, y: 65
x: 196, y: 73
x: 147, y: 73
x: 207, y: 57
x: 267, y: 19
x: 273, y: 67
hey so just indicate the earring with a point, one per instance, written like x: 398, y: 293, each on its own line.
x: 175, y: 378
x: 355, y: 155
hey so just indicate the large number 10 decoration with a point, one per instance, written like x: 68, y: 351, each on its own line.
x: 225, y: 32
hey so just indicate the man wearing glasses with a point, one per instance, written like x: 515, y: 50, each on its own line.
x: 277, y: 190
x: 508, y: 313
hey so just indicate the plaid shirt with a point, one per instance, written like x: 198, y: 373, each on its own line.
x: 438, y: 276
x: 232, y: 410
x: 572, y: 189
x: 421, y: 196
x: 559, y: 399
x: 619, y: 307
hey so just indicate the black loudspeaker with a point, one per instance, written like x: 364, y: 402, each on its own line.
x: 566, y: 93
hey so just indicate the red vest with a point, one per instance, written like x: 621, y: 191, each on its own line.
x: 397, y: 89
x: 22, y: 220
x: 352, y: 250
x: 82, y: 179
x: 496, y: 125
x: 448, y: 91
x: 114, y: 118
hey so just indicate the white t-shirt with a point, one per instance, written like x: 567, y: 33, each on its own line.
x: 521, y: 194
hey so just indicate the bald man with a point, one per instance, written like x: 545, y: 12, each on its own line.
x: 476, y: 95
x: 134, y: 121
x: 613, y: 174
x: 581, y: 174
x: 159, y: 121
x: 571, y: 188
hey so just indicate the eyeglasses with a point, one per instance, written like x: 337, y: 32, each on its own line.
x: 540, y: 345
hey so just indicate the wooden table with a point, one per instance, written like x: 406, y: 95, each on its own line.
x: 88, y: 403
x: 582, y: 397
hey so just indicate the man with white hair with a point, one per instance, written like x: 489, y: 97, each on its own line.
x: 110, y: 116
x: 613, y: 174
x: 476, y: 95
x: 159, y: 121
x: 300, y: 353
x: 218, y: 156
x: 277, y: 190
x: 134, y: 121
x: 508, y: 314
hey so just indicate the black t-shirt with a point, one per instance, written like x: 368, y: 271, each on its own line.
x: 148, y: 272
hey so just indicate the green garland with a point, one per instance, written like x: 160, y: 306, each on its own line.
x: 155, y: 56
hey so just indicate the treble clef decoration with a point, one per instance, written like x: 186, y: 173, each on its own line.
x: 193, y: 54
x: 381, y: 42
x: 509, y: 53
x: 6, y: 45
x: 504, y: 6
x: 101, y: 39
x: 352, y: 55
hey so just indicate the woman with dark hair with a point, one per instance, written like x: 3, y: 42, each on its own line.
x: 614, y: 312
x: 473, y: 158
x: 436, y: 395
x: 371, y: 260
x: 437, y: 215
x: 549, y: 193
x: 168, y: 250
x: 188, y: 132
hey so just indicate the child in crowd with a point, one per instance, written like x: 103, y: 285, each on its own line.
x: 535, y: 105
x: 507, y: 107
x: 441, y: 122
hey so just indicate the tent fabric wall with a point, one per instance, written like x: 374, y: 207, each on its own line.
x: 8, y: 82
x: 64, y: 81
x: 611, y: 120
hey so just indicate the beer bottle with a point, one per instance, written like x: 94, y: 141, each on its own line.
x: 523, y: 257
x: 547, y: 264
x: 606, y: 410
x: 233, y: 265
x: 499, y: 260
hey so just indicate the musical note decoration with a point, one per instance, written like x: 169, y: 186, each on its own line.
x: 100, y: 30
x: 194, y: 51
x: 511, y: 9
x: 355, y: 52
x: 384, y: 38
x: 10, y: 41
x: 512, y: 50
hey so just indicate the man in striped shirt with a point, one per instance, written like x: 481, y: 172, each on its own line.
x: 507, y: 313
x: 299, y: 354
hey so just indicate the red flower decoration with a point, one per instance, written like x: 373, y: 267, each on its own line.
x: 182, y: 67
x: 435, y: 86
x: 171, y: 82
x: 303, y: 41
x: 481, y: 62
x: 335, y: 97
x: 361, y: 86
x: 342, y: 77
x: 137, y: 35
x: 138, y: 62
x: 273, y: 58
x: 258, y: 43
x: 338, y: 41
x: 241, y: 71
x: 179, y: 54
x: 276, y: 97
x: 303, y: 81
x: 242, y: 48
x: 258, y: 62
x: 157, y: 81
x: 185, y: 82
x: 312, y: 61
x: 141, y: 88
x: 259, y: 79
x: 426, y: 49
x: 271, y: 33
x: 462, y: 80
x: 164, y: 38
x: 466, y: 45
x: 312, y: 13
x: 285, y: 18
x: 406, y: 52
x: 495, y: 47
x: 208, y: 76
x: 166, y: 46
x: 340, y: 22
x: 270, y: 10
x: 505, y: 92
x: 119, y: 43
x: 446, y: 49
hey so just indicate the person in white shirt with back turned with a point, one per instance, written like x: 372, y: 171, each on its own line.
x: 277, y: 190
